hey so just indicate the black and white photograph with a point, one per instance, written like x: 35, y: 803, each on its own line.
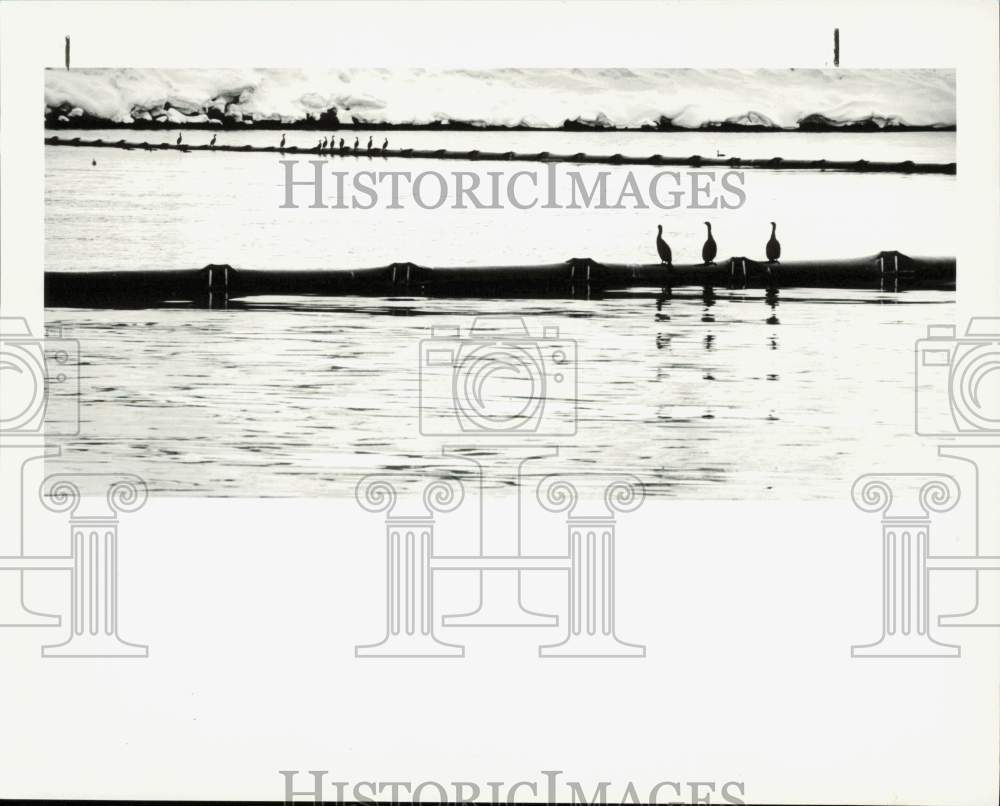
x: 613, y: 386
x: 259, y: 261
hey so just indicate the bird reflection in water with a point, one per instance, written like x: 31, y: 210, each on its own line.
x: 664, y: 297
x: 708, y: 298
x: 771, y: 298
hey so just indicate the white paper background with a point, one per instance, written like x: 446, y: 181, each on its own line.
x: 252, y: 608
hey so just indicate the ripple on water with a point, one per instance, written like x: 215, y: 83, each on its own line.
x: 305, y: 398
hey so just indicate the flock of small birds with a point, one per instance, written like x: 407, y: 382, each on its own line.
x: 330, y: 144
x: 708, y: 252
x: 324, y: 145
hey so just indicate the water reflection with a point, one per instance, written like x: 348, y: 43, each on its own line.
x: 771, y: 298
x: 303, y: 396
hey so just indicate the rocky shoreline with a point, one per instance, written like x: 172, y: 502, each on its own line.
x: 220, y: 115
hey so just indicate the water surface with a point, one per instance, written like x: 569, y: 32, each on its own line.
x: 731, y: 396
x: 169, y: 209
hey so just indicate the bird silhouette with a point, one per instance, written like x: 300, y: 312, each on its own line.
x: 179, y: 136
x: 93, y: 162
x: 773, y: 248
x: 385, y: 144
x: 356, y: 141
x: 212, y: 143
x: 322, y: 146
x: 341, y: 143
x: 710, y: 249
x: 369, y: 147
x: 662, y: 247
x: 282, y: 142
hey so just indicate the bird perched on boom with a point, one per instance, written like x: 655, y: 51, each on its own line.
x: 773, y: 248
x: 710, y: 249
x: 662, y: 247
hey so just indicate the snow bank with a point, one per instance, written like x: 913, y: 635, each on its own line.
x: 510, y: 97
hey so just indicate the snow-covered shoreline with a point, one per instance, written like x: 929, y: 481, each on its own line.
x: 585, y: 99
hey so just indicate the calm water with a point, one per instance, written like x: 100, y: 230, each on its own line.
x: 150, y: 210
x: 731, y: 397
